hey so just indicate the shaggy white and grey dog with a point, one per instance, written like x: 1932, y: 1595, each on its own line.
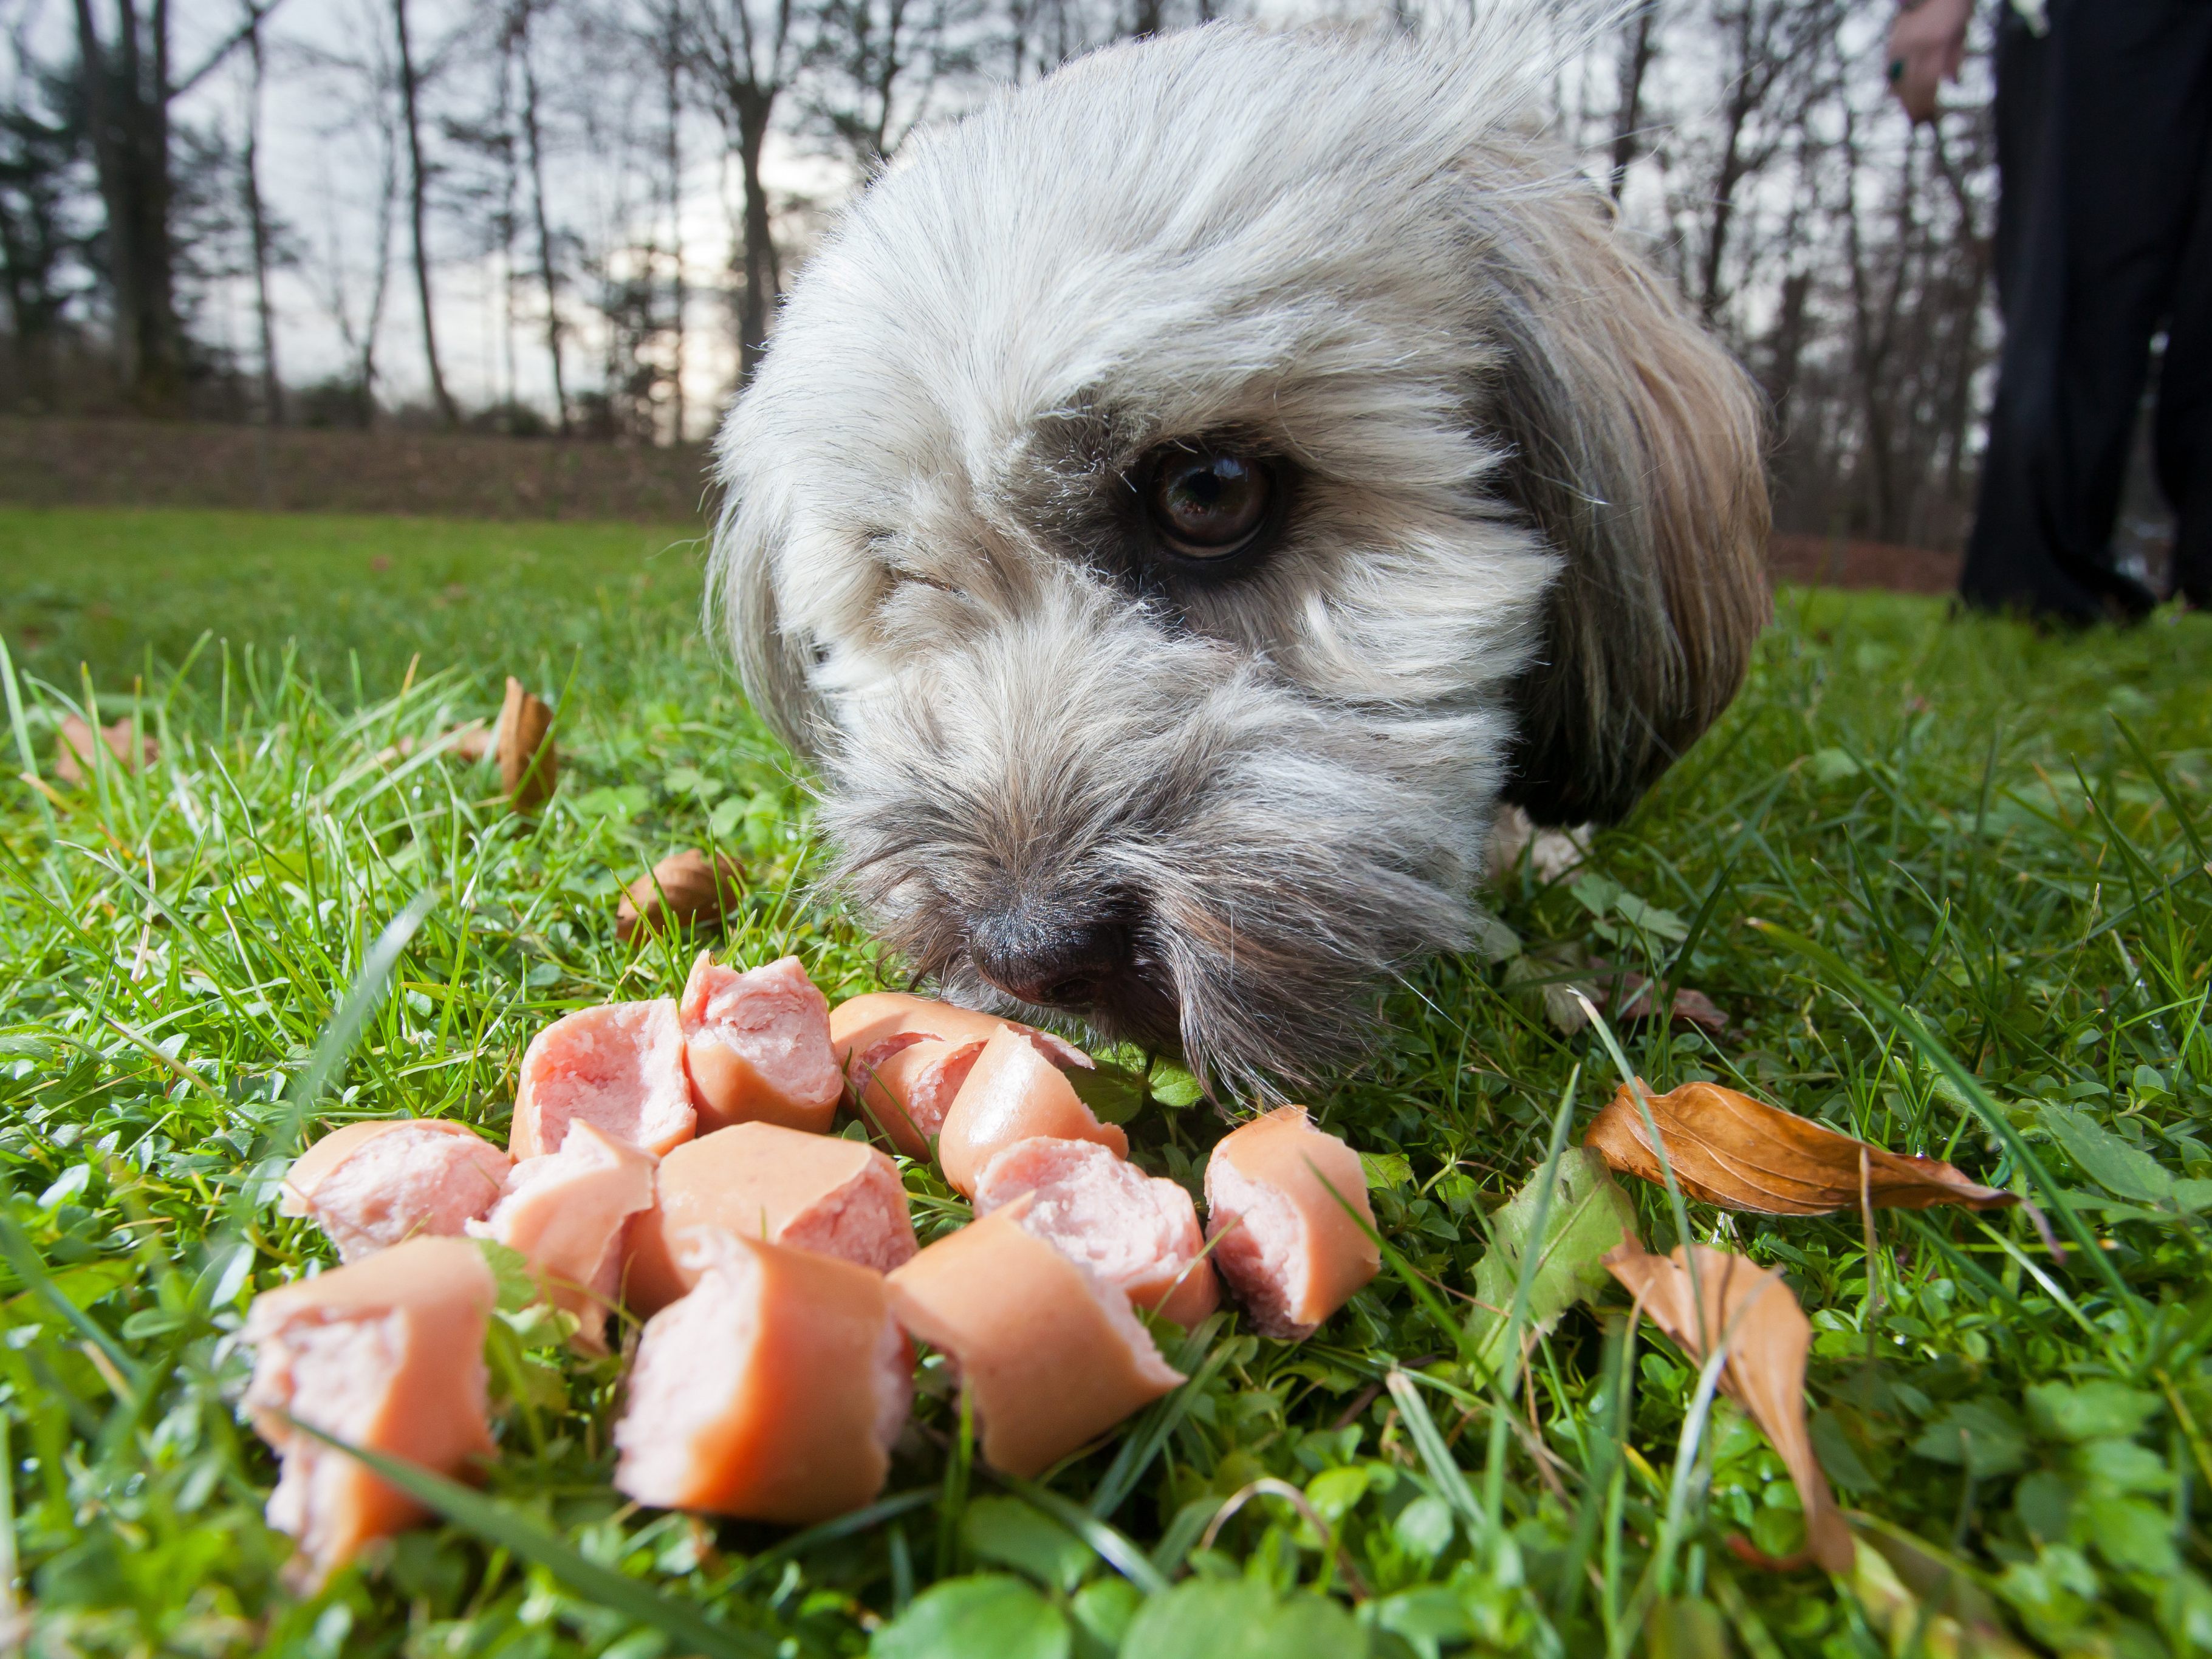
x: 1185, y: 498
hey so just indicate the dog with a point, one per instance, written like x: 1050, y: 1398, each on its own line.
x: 1184, y: 500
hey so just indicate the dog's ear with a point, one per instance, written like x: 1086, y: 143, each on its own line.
x: 1636, y: 447
x: 741, y: 602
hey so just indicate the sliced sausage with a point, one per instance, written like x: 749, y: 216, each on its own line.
x: 1138, y: 1232
x: 1013, y: 1093
x: 386, y: 1353
x: 618, y: 1067
x: 773, y: 1391
x: 1280, y: 1237
x: 1050, y: 1355
x: 905, y: 1058
x: 370, y: 1185
x: 756, y: 1046
x: 820, y: 1193
x: 568, y: 1213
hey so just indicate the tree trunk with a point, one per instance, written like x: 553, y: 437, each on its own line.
x: 674, y: 92
x: 126, y: 99
x: 418, y: 209
x: 1628, y: 112
x: 760, y: 276
x: 548, y: 272
x: 257, y: 218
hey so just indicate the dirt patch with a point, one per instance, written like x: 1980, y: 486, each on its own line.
x: 70, y: 462
x: 1833, y: 562
x: 113, y: 462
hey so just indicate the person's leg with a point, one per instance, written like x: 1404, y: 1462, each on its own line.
x: 2116, y: 174
x: 2183, y: 435
x: 2009, y: 565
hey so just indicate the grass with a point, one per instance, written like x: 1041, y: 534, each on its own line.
x: 1992, y: 845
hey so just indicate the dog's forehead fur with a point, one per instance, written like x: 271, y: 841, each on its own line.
x: 1222, y: 231
x: 1345, y: 250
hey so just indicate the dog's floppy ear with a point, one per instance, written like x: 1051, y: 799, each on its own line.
x: 1636, y: 447
x: 741, y: 601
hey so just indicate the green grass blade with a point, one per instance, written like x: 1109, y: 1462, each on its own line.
x: 507, y: 1528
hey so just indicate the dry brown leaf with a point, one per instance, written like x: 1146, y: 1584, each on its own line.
x: 1768, y: 1337
x: 1628, y: 999
x: 469, y: 742
x: 73, y: 748
x: 1742, y: 1154
x: 682, y: 888
x: 529, y: 765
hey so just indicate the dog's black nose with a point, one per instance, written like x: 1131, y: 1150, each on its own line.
x: 1052, y: 957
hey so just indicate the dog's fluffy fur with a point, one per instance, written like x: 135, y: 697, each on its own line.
x: 1523, y: 560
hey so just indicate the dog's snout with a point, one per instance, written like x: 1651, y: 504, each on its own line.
x: 1054, y: 958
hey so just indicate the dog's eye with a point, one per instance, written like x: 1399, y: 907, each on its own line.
x: 1208, y: 503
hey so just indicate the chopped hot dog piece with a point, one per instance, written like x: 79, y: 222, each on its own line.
x: 907, y: 1056
x: 618, y: 1067
x: 756, y: 1046
x: 1137, y: 1232
x: 1012, y: 1093
x: 370, y: 1185
x: 819, y: 1192
x: 773, y: 1391
x: 387, y: 1353
x: 1050, y: 1354
x: 569, y: 1213
x: 1281, y: 1238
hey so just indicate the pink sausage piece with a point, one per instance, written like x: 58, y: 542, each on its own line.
x: 370, y: 1185
x: 618, y: 1067
x: 905, y: 1058
x: 1050, y: 1355
x: 1137, y: 1232
x: 1013, y: 1093
x: 1280, y: 1237
x: 387, y: 1353
x: 820, y: 1193
x: 773, y: 1391
x: 756, y: 1046
x: 569, y: 1213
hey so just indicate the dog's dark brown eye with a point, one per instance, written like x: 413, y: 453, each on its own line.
x: 1207, y: 504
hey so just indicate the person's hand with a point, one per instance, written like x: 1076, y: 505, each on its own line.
x: 1926, y: 44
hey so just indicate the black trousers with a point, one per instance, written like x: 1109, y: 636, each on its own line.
x: 2103, y: 236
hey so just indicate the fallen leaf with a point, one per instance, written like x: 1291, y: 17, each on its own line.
x: 1627, y: 999
x: 1742, y: 1154
x: 1767, y: 1336
x: 1589, y: 1216
x: 1547, y: 979
x: 74, y: 748
x: 529, y: 765
x: 1926, y: 1602
x: 683, y: 887
x: 469, y: 741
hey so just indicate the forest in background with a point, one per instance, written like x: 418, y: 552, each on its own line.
x: 573, y: 217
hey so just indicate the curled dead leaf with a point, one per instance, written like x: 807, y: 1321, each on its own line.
x: 1742, y: 1154
x: 469, y: 742
x: 74, y: 748
x: 683, y: 887
x: 1768, y: 1337
x: 529, y: 765
x: 1626, y: 998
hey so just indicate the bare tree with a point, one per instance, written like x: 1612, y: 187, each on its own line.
x: 520, y: 45
x: 879, y: 68
x: 743, y: 54
x: 256, y: 219
x: 418, y: 209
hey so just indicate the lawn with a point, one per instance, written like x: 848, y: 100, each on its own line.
x: 1949, y: 881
